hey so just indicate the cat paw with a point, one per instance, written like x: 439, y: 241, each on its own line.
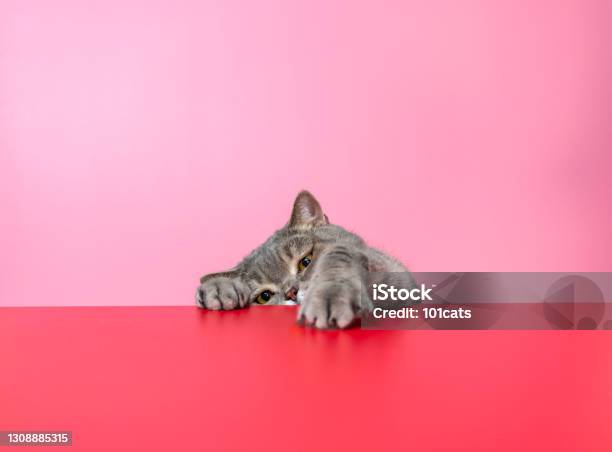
x: 331, y: 304
x: 222, y: 293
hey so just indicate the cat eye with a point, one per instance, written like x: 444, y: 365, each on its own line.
x: 305, y: 262
x: 264, y: 297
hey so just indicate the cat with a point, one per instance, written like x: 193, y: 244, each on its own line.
x: 319, y: 266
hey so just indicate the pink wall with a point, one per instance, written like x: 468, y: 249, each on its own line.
x: 145, y: 143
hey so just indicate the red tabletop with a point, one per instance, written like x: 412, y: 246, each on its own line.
x: 183, y: 379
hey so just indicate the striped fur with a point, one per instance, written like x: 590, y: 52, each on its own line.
x: 330, y: 290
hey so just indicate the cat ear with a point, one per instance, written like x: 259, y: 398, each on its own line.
x: 307, y: 212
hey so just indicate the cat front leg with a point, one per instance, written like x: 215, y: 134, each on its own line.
x: 222, y: 291
x: 334, y: 295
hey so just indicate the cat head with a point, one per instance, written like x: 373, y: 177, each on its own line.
x: 275, y: 270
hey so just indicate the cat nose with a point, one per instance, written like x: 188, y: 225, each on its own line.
x: 291, y: 294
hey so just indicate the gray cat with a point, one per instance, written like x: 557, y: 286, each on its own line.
x: 322, y: 267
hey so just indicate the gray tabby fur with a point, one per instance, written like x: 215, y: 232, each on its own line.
x: 331, y: 291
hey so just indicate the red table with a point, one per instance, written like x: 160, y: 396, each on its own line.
x: 182, y: 379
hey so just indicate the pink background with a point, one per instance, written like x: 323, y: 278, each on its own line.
x: 143, y: 144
